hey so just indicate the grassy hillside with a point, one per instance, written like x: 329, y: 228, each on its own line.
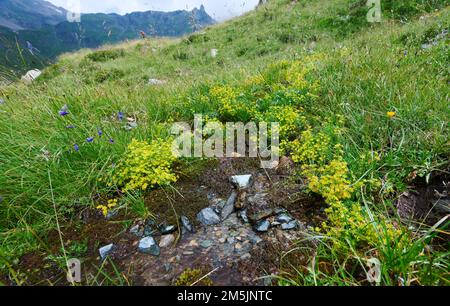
x: 364, y: 109
x: 92, y: 31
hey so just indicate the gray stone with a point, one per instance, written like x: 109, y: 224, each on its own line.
x: 279, y: 211
x: 261, y: 214
x: 229, y: 206
x: 130, y: 126
x: 167, y: 267
x: 166, y: 241
x: 105, y: 250
x: 208, y: 216
x: 290, y: 225
x: 206, y: 243
x: 111, y: 214
x: 262, y: 226
x: 231, y: 240
x: 186, y: 224
x: 246, y: 256
x: 241, y: 181
x: 156, y: 82
x: 31, y: 75
x: 148, y: 245
x: 254, y: 239
x: 2, y: 101
x: 284, y: 218
x: 243, y: 215
x: 136, y: 230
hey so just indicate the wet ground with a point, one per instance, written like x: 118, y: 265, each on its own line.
x: 231, y: 251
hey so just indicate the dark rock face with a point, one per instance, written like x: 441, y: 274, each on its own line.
x: 208, y: 217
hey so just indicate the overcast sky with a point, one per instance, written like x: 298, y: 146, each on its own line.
x: 218, y: 9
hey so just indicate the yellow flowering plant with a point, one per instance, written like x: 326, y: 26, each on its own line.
x: 146, y: 165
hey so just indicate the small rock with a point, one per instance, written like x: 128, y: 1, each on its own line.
x: 187, y: 224
x: 243, y: 215
x: 2, y: 101
x: 229, y: 206
x: 193, y: 243
x: 148, y: 245
x: 241, y: 181
x: 31, y: 75
x: 284, y: 218
x: 188, y: 253
x: 208, y: 216
x: 255, y: 239
x: 222, y: 240
x: 166, y: 241
x: 214, y: 52
x: 130, y: 126
x: 206, y: 243
x: 230, y: 240
x: 279, y: 211
x: 246, y: 256
x: 234, y: 233
x: 136, y: 230
x: 105, y: 250
x: 167, y: 267
x: 111, y: 214
x: 156, y: 82
x: 238, y: 246
x: 167, y: 229
x: 262, y: 214
x: 290, y: 225
x: 262, y: 226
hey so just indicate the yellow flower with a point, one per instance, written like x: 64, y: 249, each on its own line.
x: 391, y: 114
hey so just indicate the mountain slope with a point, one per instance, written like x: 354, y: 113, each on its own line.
x: 364, y: 115
x: 29, y: 14
x: 93, y: 31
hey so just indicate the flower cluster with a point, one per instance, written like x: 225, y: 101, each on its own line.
x: 146, y: 165
x: 112, y: 203
x: 311, y: 148
x: 232, y: 107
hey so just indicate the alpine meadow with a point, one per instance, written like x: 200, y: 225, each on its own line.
x: 359, y: 195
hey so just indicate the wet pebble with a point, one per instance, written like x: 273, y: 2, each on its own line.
x: 187, y: 224
x: 290, y: 225
x: 284, y: 218
x: 229, y: 206
x: 262, y: 226
x: 148, y: 245
x: 243, y: 215
x: 105, y: 250
x: 206, y: 243
x: 208, y: 216
x: 167, y: 241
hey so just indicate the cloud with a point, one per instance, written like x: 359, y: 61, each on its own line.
x: 219, y: 10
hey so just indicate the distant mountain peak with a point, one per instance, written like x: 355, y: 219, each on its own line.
x: 29, y: 14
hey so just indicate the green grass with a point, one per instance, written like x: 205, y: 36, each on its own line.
x: 368, y: 70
